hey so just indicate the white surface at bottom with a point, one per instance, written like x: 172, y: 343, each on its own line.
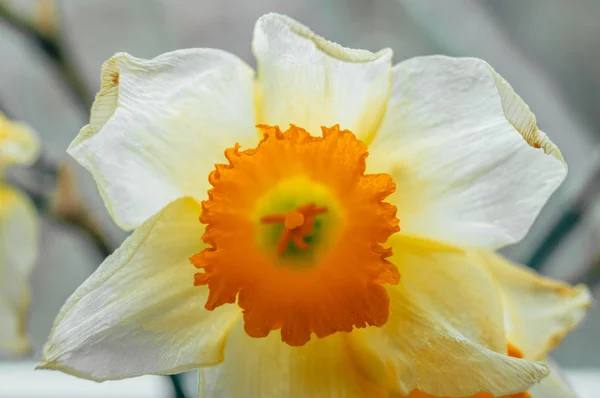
x: 585, y: 382
x: 18, y: 380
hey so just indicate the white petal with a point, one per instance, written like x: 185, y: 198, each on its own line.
x: 18, y: 251
x: 158, y: 127
x: 470, y: 165
x: 553, y: 386
x: 140, y: 313
x: 310, y: 82
x: 268, y: 368
x: 445, y: 334
x: 19, y: 144
x: 539, y: 311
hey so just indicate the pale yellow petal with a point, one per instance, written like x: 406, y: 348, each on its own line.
x: 140, y: 312
x: 308, y: 81
x: 470, y: 165
x: 539, y: 311
x: 19, y: 144
x: 158, y: 127
x: 18, y: 252
x: 268, y: 368
x: 445, y: 335
x: 553, y: 386
x: 13, y: 328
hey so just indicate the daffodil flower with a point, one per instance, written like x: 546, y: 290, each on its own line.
x: 342, y: 247
x: 18, y: 238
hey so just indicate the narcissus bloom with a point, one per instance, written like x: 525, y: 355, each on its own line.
x: 342, y: 247
x: 18, y: 238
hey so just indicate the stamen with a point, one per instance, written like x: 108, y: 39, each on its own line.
x: 298, y: 223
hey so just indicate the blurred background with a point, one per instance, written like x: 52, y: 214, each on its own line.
x: 51, y: 52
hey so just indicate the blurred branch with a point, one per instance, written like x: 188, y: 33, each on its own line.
x: 53, y: 49
x: 66, y: 207
x: 64, y: 204
x: 46, y: 17
x: 60, y: 200
x: 558, y: 232
x: 592, y: 276
x: 177, y: 385
x: 566, y: 223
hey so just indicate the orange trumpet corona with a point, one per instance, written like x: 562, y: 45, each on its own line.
x: 295, y: 230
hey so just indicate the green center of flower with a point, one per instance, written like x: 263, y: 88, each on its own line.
x: 296, y: 220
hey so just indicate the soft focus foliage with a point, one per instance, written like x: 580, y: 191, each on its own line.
x: 18, y: 238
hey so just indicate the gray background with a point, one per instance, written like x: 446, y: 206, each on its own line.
x: 547, y: 49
